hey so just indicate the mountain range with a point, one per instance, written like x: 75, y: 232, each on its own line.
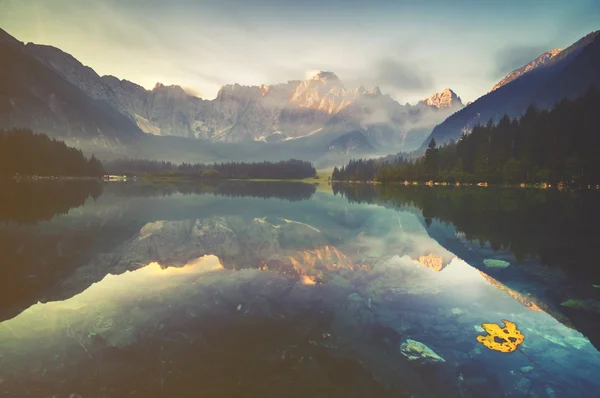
x: 50, y: 91
x: 318, y: 119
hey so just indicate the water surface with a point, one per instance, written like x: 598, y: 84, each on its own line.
x: 267, y: 289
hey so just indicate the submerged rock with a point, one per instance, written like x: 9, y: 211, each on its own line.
x: 526, y: 369
x: 550, y: 392
x: 457, y: 311
x: 493, y: 263
x: 417, y: 351
x: 523, y: 386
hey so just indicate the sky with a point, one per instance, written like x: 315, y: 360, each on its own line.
x: 410, y: 48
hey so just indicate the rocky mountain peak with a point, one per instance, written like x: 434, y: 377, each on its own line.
x: 172, y: 90
x: 375, y: 91
x: 444, y: 99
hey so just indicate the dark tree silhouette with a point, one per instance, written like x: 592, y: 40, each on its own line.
x: 284, y: 170
x: 431, y: 158
x: 23, y: 152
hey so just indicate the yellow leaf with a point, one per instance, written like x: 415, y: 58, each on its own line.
x: 505, y: 339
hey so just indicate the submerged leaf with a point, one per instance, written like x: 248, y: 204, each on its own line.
x: 505, y: 339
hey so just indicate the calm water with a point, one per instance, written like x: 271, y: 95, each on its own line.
x: 279, y: 290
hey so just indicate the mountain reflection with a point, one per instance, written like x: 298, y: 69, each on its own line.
x: 152, y: 291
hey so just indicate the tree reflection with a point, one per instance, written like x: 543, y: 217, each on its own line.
x: 557, y: 227
x: 25, y: 202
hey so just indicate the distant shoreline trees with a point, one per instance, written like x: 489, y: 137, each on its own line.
x: 558, y: 145
x: 282, y: 170
x: 24, y: 153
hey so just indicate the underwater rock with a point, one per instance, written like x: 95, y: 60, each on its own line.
x: 417, y: 351
x: 457, y: 311
x: 526, y: 369
x: 523, y: 386
x: 550, y: 392
x: 576, y: 342
x: 493, y: 263
x: 478, y: 328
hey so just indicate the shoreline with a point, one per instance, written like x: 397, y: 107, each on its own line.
x: 541, y: 185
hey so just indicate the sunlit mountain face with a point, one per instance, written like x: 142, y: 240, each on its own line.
x: 180, y: 293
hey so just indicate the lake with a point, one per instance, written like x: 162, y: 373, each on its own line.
x: 265, y: 289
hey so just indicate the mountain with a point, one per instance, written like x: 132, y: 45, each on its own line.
x: 549, y: 79
x: 36, y: 96
x: 443, y: 100
x: 265, y: 113
x: 65, y: 98
x: 539, y: 61
x: 164, y: 110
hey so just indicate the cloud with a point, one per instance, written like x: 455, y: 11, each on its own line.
x: 510, y: 58
x: 192, y: 91
x: 396, y: 75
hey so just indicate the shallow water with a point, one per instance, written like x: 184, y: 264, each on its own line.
x: 279, y: 290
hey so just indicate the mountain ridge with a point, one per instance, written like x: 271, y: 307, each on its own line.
x: 537, y: 62
x: 240, y: 113
x: 544, y: 85
x: 35, y: 96
x: 318, y: 110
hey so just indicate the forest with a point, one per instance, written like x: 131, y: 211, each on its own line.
x: 282, y: 170
x: 25, y: 153
x: 553, y: 146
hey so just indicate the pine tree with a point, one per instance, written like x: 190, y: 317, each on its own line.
x: 431, y: 158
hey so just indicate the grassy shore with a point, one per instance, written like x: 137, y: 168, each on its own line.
x: 321, y: 179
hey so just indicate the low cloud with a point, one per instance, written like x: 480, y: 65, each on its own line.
x: 396, y: 75
x: 513, y: 57
x: 379, y: 116
x: 401, y: 80
x: 192, y: 91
